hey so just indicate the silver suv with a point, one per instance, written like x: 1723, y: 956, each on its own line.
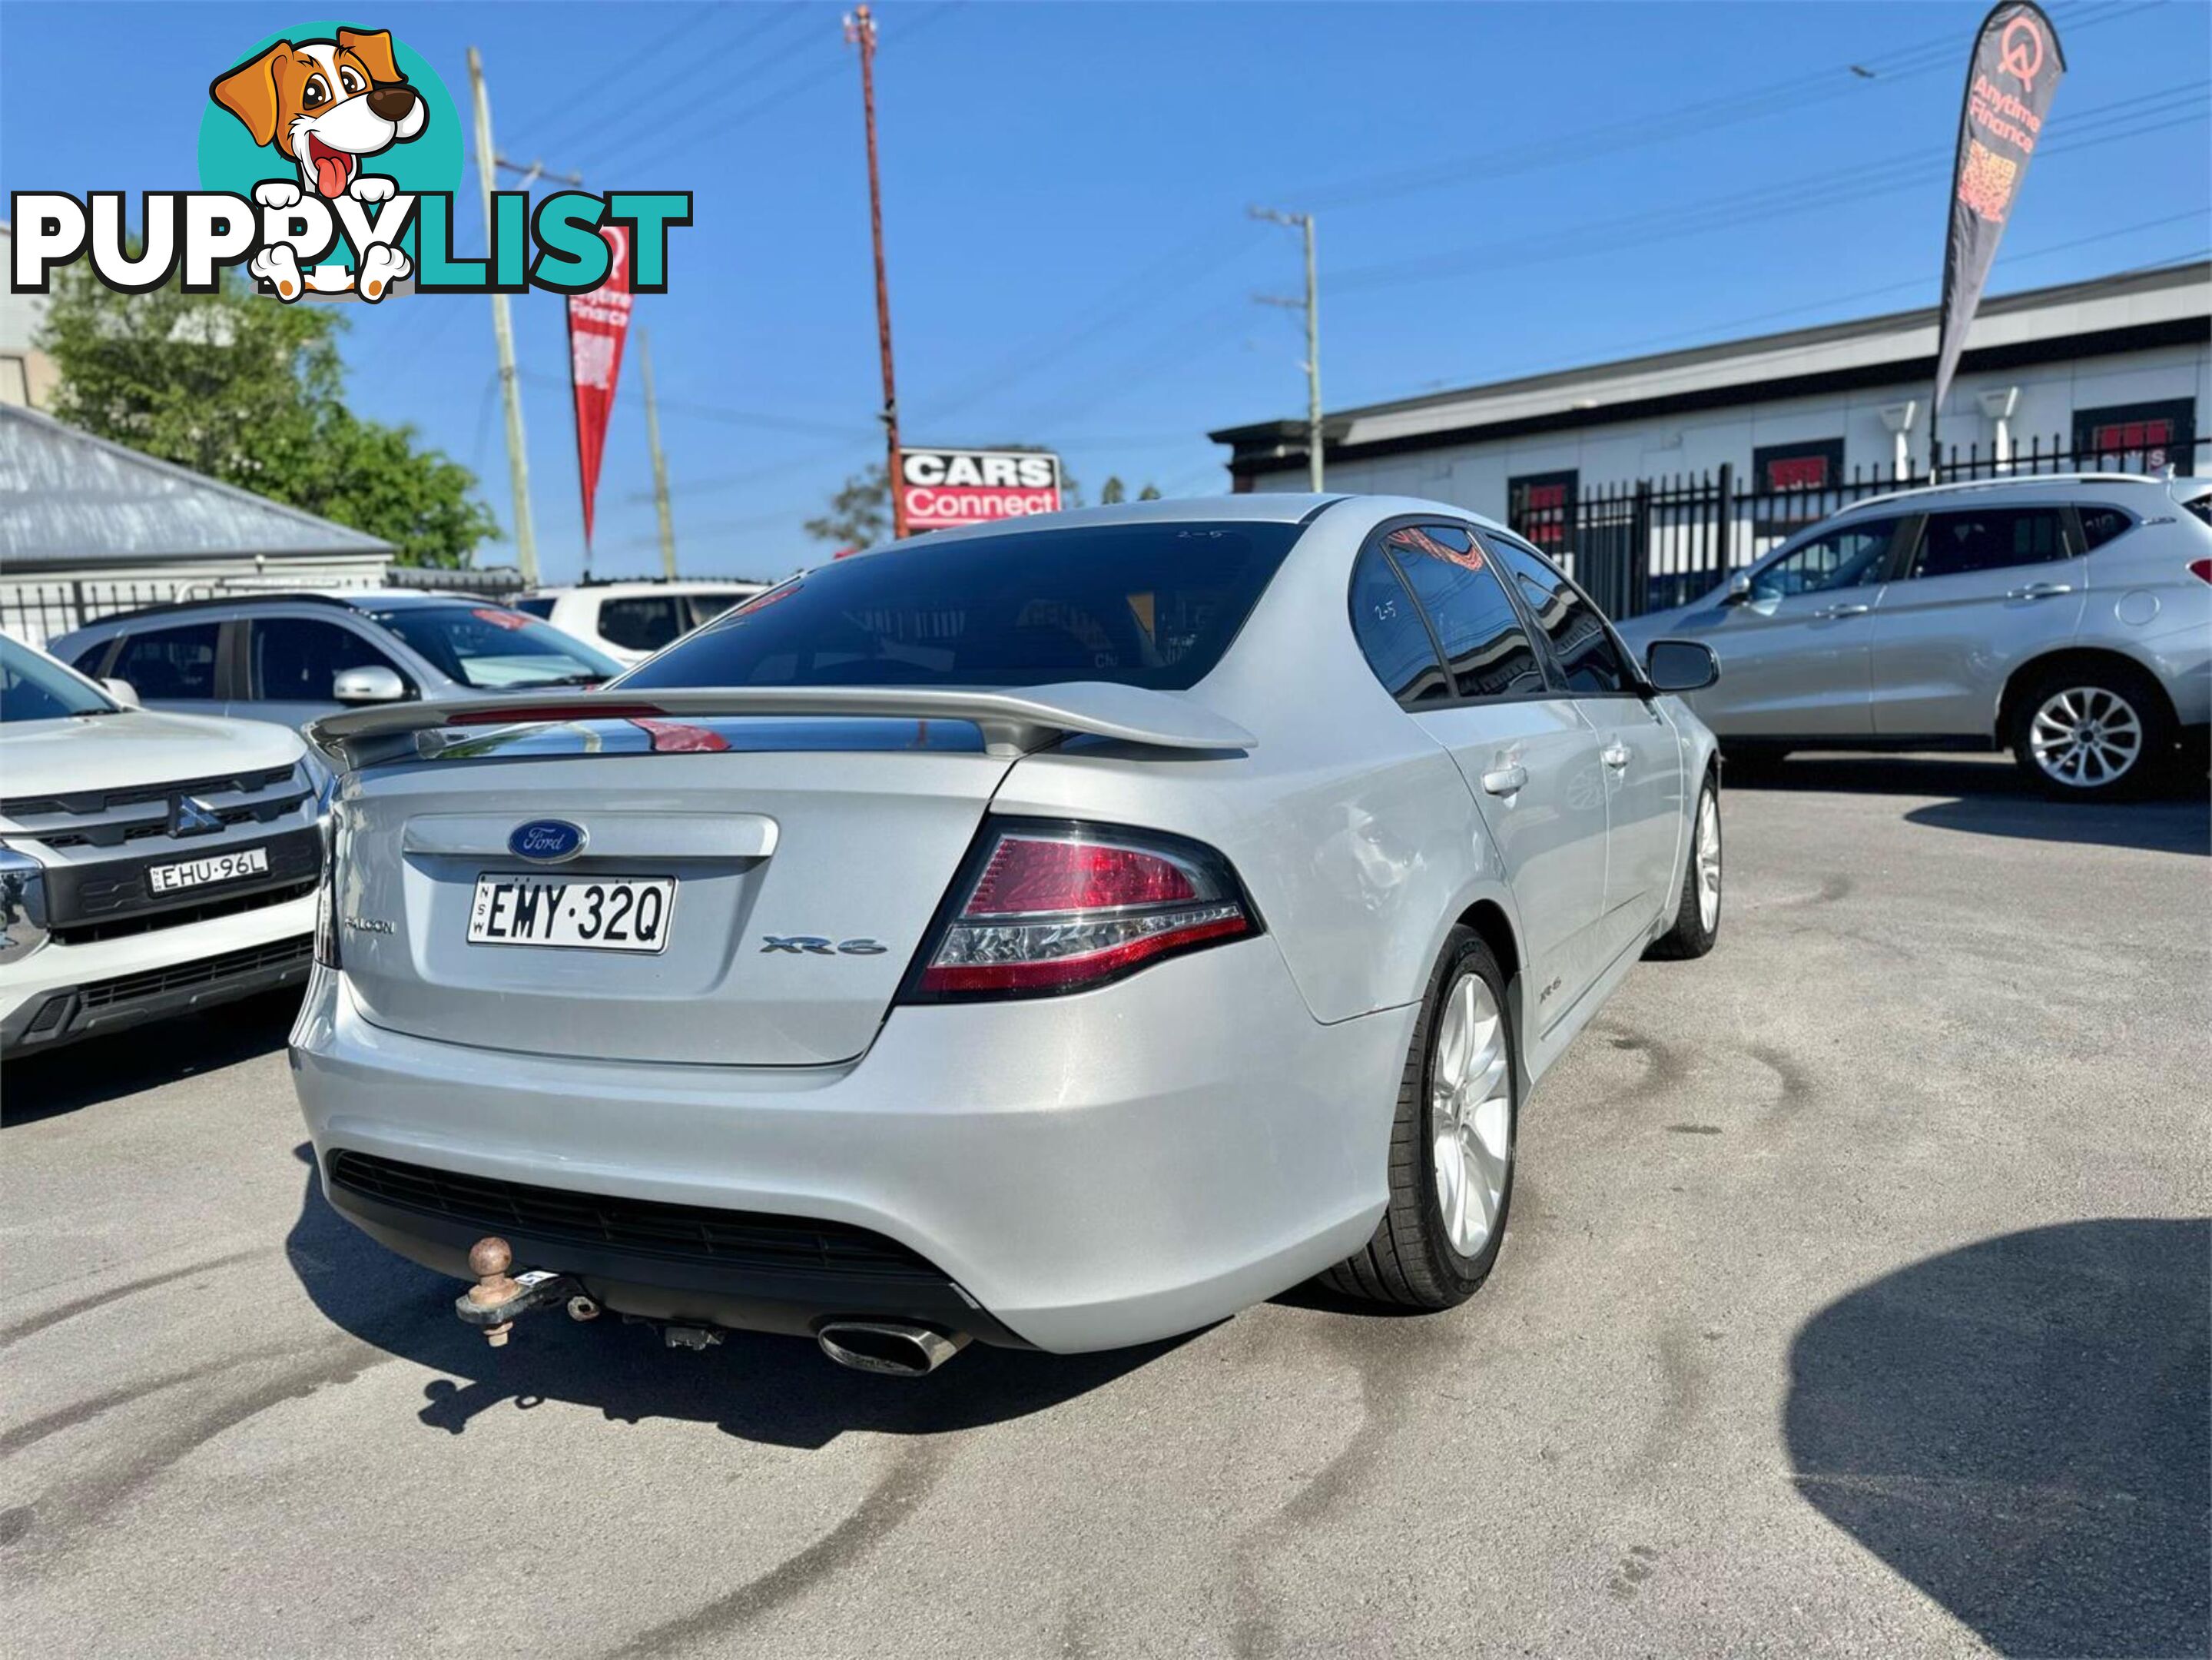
x: 2068, y: 618
x: 294, y: 657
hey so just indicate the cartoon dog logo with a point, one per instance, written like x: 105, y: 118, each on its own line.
x: 324, y: 106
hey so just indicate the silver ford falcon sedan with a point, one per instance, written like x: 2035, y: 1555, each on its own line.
x: 1060, y: 935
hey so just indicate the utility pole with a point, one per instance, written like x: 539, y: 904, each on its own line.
x: 860, y: 31
x: 660, y: 461
x: 1305, y: 222
x: 502, y: 328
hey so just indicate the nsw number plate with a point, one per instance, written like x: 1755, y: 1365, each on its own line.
x: 215, y: 867
x: 577, y: 913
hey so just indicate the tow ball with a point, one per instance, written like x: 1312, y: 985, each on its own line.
x: 496, y: 1300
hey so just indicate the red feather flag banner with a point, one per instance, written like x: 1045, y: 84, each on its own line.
x: 599, y: 327
x: 2011, y: 79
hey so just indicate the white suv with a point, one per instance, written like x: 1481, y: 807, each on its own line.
x: 630, y: 621
x: 150, y: 864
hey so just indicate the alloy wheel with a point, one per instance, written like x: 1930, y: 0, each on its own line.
x: 2086, y: 737
x: 1471, y: 1114
x: 1708, y: 862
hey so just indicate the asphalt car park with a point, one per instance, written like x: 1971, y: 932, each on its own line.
x: 1856, y: 1304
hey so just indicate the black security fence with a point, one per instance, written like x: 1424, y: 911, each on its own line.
x: 1658, y: 543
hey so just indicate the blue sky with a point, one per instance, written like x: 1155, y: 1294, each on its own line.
x: 1501, y: 189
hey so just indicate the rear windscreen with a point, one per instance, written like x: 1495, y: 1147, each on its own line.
x: 1153, y: 606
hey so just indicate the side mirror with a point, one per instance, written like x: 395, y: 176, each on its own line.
x: 1680, y: 665
x: 123, y: 692
x: 374, y: 684
x: 1739, y: 589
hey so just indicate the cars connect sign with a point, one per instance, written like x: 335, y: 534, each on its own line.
x: 944, y: 489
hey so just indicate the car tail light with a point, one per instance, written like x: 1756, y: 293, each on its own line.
x: 1040, y: 909
x: 326, y: 890
x: 2201, y: 569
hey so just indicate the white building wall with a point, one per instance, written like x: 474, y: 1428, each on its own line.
x: 1475, y: 474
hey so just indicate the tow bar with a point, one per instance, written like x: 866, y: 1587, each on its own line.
x: 496, y: 1301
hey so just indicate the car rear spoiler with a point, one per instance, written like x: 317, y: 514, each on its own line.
x: 1013, y: 722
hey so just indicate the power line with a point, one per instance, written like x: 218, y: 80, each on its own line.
x: 602, y: 86
x: 1686, y: 120
x: 725, y: 122
x: 2105, y: 124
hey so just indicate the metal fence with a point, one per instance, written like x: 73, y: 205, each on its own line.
x: 1658, y: 543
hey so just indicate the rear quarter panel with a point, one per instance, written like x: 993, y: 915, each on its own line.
x: 1351, y: 828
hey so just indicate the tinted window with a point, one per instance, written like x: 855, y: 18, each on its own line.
x: 88, y: 660
x: 1389, y: 629
x: 1586, y: 656
x: 1846, y: 558
x: 1154, y: 604
x: 1989, y: 538
x: 2101, y: 525
x: 295, y: 658
x: 491, y: 647
x: 537, y: 605
x: 31, y: 689
x: 170, y: 663
x: 705, y: 607
x: 1486, y: 647
x: 645, y: 623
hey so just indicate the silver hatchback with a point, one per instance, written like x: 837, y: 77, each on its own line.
x: 2067, y: 619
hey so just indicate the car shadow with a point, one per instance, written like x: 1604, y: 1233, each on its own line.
x: 2019, y: 1428
x: 779, y: 1390
x: 1988, y: 797
x: 100, y: 1069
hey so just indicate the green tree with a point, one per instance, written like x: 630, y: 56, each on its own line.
x: 1150, y: 493
x: 251, y: 392
x: 860, y: 514
x: 1112, y: 490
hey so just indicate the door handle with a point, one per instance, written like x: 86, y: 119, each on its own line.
x: 1506, y: 780
x: 2040, y: 591
x: 1843, y: 610
x: 1615, y: 756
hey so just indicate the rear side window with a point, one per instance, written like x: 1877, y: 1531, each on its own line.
x: 1485, y: 646
x: 646, y: 622
x: 537, y: 604
x: 1392, y: 635
x: 1591, y: 664
x: 296, y: 659
x: 1990, y: 538
x: 175, y: 664
x: 705, y: 607
x: 494, y: 648
x: 1152, y: 604
x: 2101, y: 525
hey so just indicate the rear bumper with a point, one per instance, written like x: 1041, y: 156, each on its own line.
x: 63, y: 993
x: 1075, y: 1173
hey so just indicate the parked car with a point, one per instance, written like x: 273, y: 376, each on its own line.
x: 1061, y: 934
x: 630, y: 621
x: 2067, y: 619
x: 293, y: 657
x: 149, y: 864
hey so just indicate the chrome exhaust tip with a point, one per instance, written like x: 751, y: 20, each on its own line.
x: 890, y: 1347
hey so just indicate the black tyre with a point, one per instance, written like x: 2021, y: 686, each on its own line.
x: 1697, y: 910
x: 1752, y: 763
x: 2093, y: 732
x: 1451, y: 1148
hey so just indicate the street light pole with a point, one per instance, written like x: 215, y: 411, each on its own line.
x: 660, y: 461
x: 502, y: 329
x: 1305, y: 222
x: 860, y: 31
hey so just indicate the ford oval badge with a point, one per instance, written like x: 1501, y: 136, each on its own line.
x: 548, y: 841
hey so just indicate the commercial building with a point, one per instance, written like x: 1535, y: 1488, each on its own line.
x: 2116, y: 371
x: 88, y: 528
